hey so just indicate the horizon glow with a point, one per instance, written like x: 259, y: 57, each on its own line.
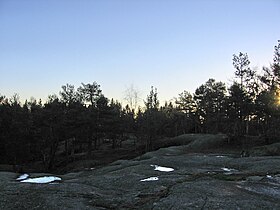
x: 173, y: 45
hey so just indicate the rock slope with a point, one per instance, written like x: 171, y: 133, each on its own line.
x: 198, y: 181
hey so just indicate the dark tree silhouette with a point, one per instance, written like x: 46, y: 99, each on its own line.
x: 77, y: 123
x: 210, y: 99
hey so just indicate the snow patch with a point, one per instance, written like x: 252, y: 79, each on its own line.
x: 42, y: 180
x: 89, y: 169
x: 22, y: 177
x: 161, y: 168
x: 220, y: 156
x: 228, y: 169
x: 149, y: 179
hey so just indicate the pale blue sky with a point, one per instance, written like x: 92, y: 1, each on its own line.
x: 174, y: 45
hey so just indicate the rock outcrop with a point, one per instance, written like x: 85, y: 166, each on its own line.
x: 198, y: 181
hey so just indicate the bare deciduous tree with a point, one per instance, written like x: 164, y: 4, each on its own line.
x: 132, y: 96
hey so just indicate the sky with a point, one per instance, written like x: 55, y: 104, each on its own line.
x: 173, y: 45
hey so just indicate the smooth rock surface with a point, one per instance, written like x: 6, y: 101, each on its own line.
x: 197, y: 182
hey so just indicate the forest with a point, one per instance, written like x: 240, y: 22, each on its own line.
x: 82, y: 119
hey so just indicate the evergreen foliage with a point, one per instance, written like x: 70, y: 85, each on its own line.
x: 85, y: 118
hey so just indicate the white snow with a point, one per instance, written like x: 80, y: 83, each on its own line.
x: 220, y: 156
x: 89, y: 168
x: 42, y: 180
x: 161, y: 168
x: 22, y: 177
x: 149, y: 179
x: 228, y: 169
x: 268, y: 176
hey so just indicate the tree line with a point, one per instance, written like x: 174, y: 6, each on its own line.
x: 33, y: 131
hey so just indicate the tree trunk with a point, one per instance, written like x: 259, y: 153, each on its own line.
x: 89, y: 147
x: 52, y: 154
